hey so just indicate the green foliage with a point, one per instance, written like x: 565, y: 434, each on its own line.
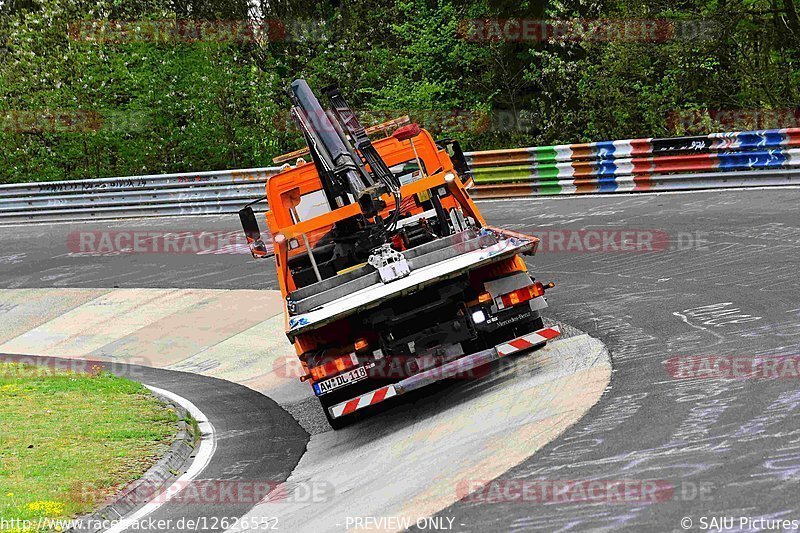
x: 76, y: 108
x: 716, y: 67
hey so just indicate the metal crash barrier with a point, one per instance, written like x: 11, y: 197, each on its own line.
x: 718, y: 160
x: 198, y: 193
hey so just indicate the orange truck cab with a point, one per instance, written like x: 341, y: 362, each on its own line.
x: 391, y: 277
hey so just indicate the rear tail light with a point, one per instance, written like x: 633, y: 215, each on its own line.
x: 482, y: 298
x: 334, y: 366
x: 360, y: 344
x: 521, y: 295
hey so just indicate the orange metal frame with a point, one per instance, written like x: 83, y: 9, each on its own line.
x: 303, y: 179
x: 284, y: 189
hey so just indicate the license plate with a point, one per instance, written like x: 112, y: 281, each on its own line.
x: 324, y: 387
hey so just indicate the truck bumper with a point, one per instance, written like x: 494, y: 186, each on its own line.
x: 454, y: 368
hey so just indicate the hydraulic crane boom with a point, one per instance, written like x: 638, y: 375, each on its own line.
x: 340, y: 168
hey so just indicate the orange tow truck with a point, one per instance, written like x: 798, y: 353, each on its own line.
x: 391, y: 276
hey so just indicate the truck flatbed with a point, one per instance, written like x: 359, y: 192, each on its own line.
x: 498, y: 245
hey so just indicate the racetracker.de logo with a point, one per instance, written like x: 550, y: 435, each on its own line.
x: 396, y: 367
x: 549, y: 491
x: 213, y: 491
x: 734, y: 367
x: 584, y: 30
x: 34, y: 366
x: 701, y: 120
x: 158, y: 242
x: 50, y: 121
x: 177, y: 31
x: 601, y: 240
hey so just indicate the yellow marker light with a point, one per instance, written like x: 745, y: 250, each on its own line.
x: 360, y: 344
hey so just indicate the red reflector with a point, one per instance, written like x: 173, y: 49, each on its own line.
x: 537, y: 289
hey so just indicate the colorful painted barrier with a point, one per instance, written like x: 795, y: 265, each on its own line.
x: 719, y: 160
x: 632, y: 184
x: 635, y: 164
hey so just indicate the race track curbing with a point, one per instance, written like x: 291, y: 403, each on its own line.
x: 471, y: 430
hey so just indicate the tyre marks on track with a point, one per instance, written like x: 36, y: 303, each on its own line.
x: 727, y: 447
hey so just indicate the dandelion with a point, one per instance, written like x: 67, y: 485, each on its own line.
x: 46, y: 507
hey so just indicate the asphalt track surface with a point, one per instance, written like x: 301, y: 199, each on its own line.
x: 476, y: 428
x: 721, y: 282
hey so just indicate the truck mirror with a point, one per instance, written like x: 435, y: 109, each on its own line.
x: 252, y: 232
x: 250, y: 224
x: 456, y: 154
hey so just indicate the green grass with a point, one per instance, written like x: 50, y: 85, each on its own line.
x: 69, y: 441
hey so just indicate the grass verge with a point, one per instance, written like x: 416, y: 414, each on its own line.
x: 68, y: 441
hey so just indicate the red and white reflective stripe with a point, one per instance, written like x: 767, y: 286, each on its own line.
x: 365, y: 400
x: 528, y: 341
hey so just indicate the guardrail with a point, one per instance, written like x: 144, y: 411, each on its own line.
x: 739, y: 159
x: 198, y: 193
